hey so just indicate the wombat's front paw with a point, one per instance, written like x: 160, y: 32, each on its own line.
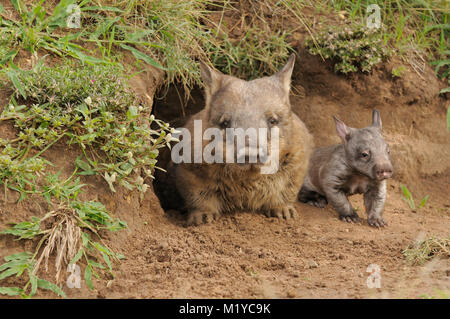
x: 198, y: 217
x: 352, y: 218
x: 285, y: 212
x: 375, y: 221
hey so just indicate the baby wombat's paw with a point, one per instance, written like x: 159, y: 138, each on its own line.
x: 376, y: 221
x: 286, y: 212
x: 352, y: 218
x: 197, y: 217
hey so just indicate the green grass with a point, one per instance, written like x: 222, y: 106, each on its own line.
x: 167, y: 34
x: 421, y: 22
x: 409, y: 199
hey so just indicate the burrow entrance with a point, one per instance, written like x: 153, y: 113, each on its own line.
x: 171, y: 106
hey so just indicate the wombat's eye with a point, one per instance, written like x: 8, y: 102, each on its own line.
x: 272, y: 121
x: 388, y: 150
x: 365, y: 154
x: 225, y: 124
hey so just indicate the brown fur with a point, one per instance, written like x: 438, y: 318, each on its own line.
x: 212, y: 189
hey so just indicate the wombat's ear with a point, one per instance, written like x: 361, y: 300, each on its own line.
x: 376, y: 119
x: 284, y: 75
x: 342, y: 129
x: 211, y: 78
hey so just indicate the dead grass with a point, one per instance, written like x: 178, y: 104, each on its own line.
x: 424, y: 250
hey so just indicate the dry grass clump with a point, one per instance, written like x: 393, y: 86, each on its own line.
x: 426, y: 249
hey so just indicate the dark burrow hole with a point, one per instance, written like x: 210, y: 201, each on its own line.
x: 171, y: 106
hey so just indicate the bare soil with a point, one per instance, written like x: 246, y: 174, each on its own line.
x: 246, y: 255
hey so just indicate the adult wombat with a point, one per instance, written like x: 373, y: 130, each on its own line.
x: 211, y: 189
x: 361, y: 164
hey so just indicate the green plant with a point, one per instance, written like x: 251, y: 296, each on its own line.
x: 92, y: 107
x: 65, y: 231
x: 258, y: 52
x: 37, y: 30
x: 409, y: 199
x: 398, y: 71
x: 17, y: 264
x: 442, y: 68
x: 426, y: 249
x: 422, y: 24
x: 351, y: 49
x: 168, y: 34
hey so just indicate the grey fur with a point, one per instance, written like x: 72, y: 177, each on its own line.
x: 360, y: 165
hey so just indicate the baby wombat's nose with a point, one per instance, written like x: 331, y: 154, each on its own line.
x: 383, y: 171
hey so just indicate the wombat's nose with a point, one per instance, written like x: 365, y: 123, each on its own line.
x: 384, y: 172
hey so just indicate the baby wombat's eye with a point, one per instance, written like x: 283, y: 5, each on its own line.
x: 388, y: 150
x: 365, y: 154
x: 272, y: 121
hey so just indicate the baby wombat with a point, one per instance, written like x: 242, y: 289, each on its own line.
x: 210, y: 189
x: 361, y: 164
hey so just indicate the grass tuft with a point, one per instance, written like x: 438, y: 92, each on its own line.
x: 426, y: 249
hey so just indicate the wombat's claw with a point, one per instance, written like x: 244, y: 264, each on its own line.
x: 286, y: 212
x: 377, y: 222
x: 200, y: 217
x: 321, y: 203
x: 354, y: 218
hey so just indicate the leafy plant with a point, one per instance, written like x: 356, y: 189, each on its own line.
x: 67, y: 232
x: 351, y: 49
x: 442, y: 69
x: 409, y: 199
x: 398, y: 71
x: 92, y: 107
x: 18, y: 264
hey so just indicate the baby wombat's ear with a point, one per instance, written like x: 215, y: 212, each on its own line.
x: 376, y: 119
x: 211, y: 78
x: 342, y: 129
x: 284, y: 75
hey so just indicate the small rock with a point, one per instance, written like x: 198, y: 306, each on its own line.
x: 163, y: 245
x: 312, y: 264
x: 291, y: 294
